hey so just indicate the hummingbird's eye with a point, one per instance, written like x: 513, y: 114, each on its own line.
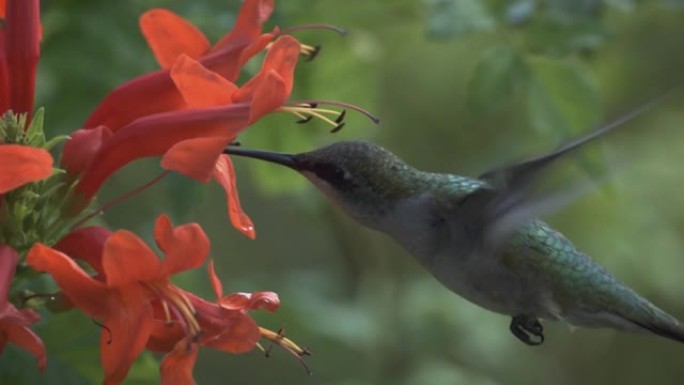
x: 332, y: 174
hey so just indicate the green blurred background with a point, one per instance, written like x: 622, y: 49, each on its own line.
x: 460, y: 86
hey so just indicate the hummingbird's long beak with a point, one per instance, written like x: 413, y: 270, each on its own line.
x: 287, y: 160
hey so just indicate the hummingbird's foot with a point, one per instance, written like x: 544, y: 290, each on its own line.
x: 524, y: 327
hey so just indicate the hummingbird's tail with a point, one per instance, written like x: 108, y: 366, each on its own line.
x: 654, y: 320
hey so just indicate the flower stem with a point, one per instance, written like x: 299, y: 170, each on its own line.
x: 121, y: 198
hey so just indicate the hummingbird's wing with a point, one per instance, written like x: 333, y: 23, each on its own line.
x: 509, y: 202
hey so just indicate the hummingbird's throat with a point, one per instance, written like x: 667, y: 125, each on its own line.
x: 322, y: 185
x: 366, y: 212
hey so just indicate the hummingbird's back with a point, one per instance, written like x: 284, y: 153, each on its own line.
x: 582, y: 292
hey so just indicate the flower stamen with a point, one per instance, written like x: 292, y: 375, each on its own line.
x: 347, y: 106
x: 175, y: 302
x: 167, y: 313
x: 305, y: 112
x: 307, y: 27
x: 306, y: 50
x: 278, y: 338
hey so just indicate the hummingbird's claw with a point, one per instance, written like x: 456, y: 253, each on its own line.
x: 523, y: 327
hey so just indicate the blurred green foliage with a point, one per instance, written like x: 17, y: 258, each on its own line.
x: 460, y: 86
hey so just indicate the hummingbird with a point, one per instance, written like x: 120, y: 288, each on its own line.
x: 481, y: 237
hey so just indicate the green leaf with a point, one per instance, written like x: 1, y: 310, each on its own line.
x: 34, y: 133
x: 451, y: 18
x: 552, y: 36
x: 520, y: 11
x: 563, y: 102
x: 55, y: 141
x: 563, y: 97
x: 571, y: 11
x: 499, y: 72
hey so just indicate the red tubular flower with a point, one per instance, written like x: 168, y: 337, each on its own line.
x: 226, y: 326
x: 81, y: 147
x: 177, y: 366
x: 86, y: 244
x: 170, y: 36
x: 21, y: 165
x: 202, y: 158
x: 227, y: 330
x: 14, y: 323
x: 192, y: 140
x: 132, y: 278
x: 267, y: 300
x: 154, y: 135
x: 19, y: 52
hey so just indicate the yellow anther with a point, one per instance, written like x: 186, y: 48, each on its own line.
x: 279, y: 339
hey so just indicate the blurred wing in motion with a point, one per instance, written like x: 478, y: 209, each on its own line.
x: 509, y: 202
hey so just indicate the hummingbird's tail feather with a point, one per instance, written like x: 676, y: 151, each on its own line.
x: 673, y: 333
x: 660, y: 323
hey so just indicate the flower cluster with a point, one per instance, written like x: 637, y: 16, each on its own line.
x: 186, y: 113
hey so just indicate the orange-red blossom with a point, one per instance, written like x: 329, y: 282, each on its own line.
x: 137, y: 304
x: 188, y: 111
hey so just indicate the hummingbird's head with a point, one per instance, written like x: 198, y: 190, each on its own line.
x: 360, y: 176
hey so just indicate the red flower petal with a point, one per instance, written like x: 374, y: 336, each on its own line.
x: 86, y: 293
x: 229, y: 66
x: 8, y: 263
x: 176, y: 367
x: 156, y: 134
x: 239, y: 334
x: 282, y: 59
x: 145, y: 95
x: 199, y: 86
x: 86, y: 244
x: 14, y: 323
x: 21, y: 165
x: 235, y: 301
x: 215, y: 281
x: 4, y: 76
x: 126, y: 259
x: 81, y: 147
x: 25, y: 338
x: 252, y: 16
x: 269, y: 94
x: 267, y: 300
x: 164, y: 336
x: 196, y: 157
x: 225, y: 176
x: 128, y: 329
x: 22, y: 28
x: 224, y: 329
x: 270, y: 88
x: 186, y: 247
x: 155, y: 92
x: 170, y: 36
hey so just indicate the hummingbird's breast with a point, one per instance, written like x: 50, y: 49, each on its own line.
x: 446, y: 248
